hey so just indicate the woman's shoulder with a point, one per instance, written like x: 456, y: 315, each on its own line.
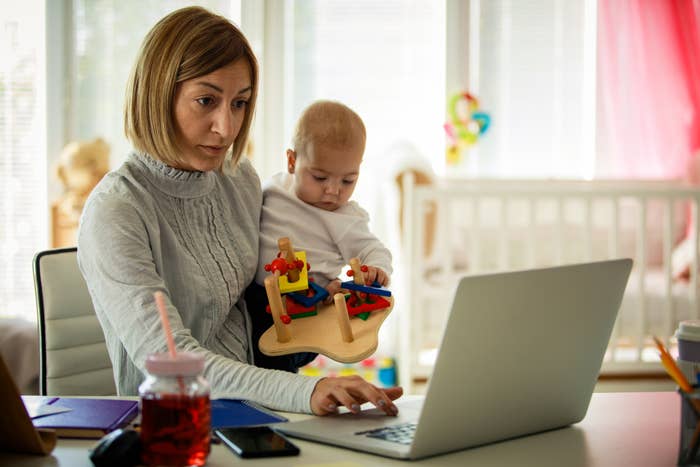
x: 122, y: 188
x: 242, y: 184
x: 243, y: 171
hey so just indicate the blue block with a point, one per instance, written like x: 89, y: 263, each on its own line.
x: 374, y: 289
x: 320, y: 294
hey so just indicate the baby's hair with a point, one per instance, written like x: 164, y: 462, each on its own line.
x: 328, y: 123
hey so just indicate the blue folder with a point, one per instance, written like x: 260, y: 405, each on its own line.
x: 238, y: 412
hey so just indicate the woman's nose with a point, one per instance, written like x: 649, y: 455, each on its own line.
x: 222, y: 122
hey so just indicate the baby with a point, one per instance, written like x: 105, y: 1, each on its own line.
x: 311, y: 204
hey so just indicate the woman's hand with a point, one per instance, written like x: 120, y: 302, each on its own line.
x: 351, y: 392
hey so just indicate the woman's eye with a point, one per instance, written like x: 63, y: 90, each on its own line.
x: 348, y: 182
x: 319, y: 179
x: 205, y: 101
x: 240, y: 104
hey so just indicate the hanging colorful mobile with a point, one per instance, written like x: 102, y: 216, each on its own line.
x: 466, y: 123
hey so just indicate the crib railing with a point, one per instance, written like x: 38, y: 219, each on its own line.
x: 489, y: 225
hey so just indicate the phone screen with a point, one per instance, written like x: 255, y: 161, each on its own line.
x: 257, y: 441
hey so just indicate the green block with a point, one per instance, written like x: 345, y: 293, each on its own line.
x: 303, y: 315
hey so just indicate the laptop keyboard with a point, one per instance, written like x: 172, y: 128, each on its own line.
x: 402, y: 434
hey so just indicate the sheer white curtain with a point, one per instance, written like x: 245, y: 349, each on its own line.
x: 23, y: 208
x: 532, y: 66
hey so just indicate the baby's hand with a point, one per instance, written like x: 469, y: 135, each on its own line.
x: 333, y: 288
x: 376, y: 274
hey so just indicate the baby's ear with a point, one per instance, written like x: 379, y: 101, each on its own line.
x: 291, y: 160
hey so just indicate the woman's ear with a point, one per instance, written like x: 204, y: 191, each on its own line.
x: 291, y: 160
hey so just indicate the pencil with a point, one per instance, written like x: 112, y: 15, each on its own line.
x: 671, y: 368
x: 660, y: 346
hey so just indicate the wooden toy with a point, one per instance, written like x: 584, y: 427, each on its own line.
x: 330, y: 331
x: 276, y: 307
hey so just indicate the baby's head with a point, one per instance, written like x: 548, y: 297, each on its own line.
x: 329, y: 141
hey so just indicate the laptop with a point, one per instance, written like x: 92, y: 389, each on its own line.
x: 520, y: 354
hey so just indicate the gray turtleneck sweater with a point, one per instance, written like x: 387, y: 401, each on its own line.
x: 194, y: 236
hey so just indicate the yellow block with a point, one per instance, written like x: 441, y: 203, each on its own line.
x: 302, y: 283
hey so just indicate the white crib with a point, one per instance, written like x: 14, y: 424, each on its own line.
x: 490, y: 225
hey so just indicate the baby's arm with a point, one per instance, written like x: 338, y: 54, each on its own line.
x: 333, y: 288
x: 359, y: 242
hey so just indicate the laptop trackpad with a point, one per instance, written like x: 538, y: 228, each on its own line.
x: 348, y: 423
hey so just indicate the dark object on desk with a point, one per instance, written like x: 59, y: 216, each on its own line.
x: 88, y: 418
x: 238, y: 412
x: 17, y: 434
x: 690, y: 427
x: 120, y: 448
x: 257, y: 441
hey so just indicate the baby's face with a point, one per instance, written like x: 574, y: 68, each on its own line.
x: 325, y: 177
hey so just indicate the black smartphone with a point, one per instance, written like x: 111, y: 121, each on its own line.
x: 256, y: 441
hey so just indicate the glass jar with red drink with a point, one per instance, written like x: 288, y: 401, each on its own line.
x: 175, y: 411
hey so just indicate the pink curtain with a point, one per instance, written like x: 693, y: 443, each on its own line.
x: 648, y: 88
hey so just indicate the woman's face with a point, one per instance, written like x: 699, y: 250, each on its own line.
x: 209, y: 111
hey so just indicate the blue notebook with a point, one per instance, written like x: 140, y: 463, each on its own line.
x: 87, y: 418
x: 238, y: 412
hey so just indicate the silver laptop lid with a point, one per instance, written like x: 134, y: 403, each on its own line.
x: 521, y: 353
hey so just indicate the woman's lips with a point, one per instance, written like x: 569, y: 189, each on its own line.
x: 214, y: 150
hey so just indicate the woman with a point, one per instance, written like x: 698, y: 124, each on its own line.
x: 180, y: 217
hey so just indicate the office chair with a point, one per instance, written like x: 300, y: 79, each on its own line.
x: 73, y: 357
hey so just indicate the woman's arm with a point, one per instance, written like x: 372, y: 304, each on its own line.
x: 358, y: 241
x: 119, y: 264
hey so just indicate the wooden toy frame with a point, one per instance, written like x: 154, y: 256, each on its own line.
x: 331, y: 331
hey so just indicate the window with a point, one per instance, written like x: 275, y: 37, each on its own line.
x: 532, y: 67
x: 23, y: 208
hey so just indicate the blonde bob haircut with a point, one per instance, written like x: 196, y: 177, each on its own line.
x: 187, y: 43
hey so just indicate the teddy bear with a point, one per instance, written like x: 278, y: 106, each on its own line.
x: 81, y: 165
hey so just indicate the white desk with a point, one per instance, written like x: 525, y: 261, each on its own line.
x: 639, y: 429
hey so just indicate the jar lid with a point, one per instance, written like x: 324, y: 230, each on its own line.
x: 689, y: 330
x: 183, y: 364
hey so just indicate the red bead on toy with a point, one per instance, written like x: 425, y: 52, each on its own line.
x: 278, y: 264
x: 350, y: 273
x: 364, y: 268
x: 286, y: 319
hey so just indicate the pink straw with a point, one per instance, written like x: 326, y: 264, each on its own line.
x: 160, y: 303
